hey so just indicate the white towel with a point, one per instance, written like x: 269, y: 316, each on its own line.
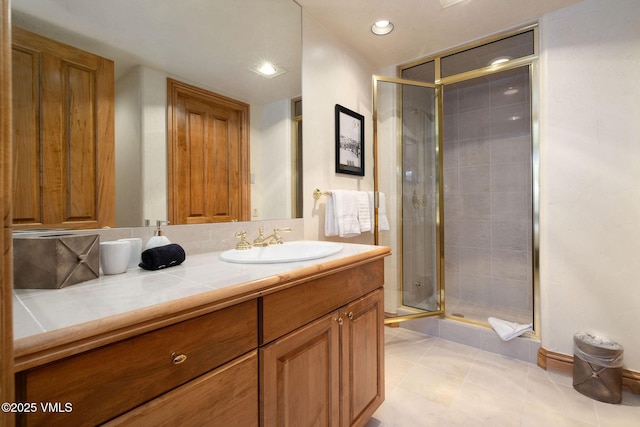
x: 383, y: 222
x: 508, y: 330
x: 364, y: 211
x: 330, y: 223
x: 345, y: 206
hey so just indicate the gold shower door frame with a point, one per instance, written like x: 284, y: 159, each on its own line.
x: 439, y: 212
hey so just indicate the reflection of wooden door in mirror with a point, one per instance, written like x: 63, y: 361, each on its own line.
x: 63, y: 135
x: 208, y: 150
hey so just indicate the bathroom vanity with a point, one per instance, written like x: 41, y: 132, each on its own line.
x: 208, y: 343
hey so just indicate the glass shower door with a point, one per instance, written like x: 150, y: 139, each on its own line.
x: 408, y: 163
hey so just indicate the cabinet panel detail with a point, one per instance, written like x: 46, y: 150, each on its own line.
x: 300, y: 377
x: 362, y: 358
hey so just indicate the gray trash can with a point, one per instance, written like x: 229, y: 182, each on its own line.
x: 597, y: 367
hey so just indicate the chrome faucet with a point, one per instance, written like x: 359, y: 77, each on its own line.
x: 275, y: 238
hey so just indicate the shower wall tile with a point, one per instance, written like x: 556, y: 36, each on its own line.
x: 450, y: 155
x: 510, y: 264
x: 511, y: 150
x: 487, y: 184
x: 474, y: 179
x: 517, y: 83
x: 474, y: 152
x: 474, y: 125
x: 514, y: 294
x: 473, y: 234
x: 451, y: 258
x: 511, y: 235
x: 450, y: 102
x: 473, y: 98
x: 475, y: 262
x: 510, y: 178
x: 475, y: 288
x: 451, y: 183
x: 511, y: 206
x: 510, y: 121
x: 453, y: 207
x: 475, y: 206
x: 450, y: 129
x: 453, y: 283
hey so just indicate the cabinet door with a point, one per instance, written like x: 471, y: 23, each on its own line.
x: 300, y: 376
x: 362, y: 358
x: 63, y: 135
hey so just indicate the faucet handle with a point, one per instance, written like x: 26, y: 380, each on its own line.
x: 242, y: 244
x: 260, y: 239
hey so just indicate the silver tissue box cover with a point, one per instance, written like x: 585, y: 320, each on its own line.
x: 52, y: 262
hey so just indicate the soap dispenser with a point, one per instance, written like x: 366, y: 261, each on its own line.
x: 158, y: 239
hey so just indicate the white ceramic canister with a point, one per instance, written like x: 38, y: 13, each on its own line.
x: 114, y: 256
x: 136, y: 251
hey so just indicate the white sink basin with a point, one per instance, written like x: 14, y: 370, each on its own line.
x: 286, y: 252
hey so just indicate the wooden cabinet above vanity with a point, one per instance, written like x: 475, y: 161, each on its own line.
x: 63, y: 135
x: 303, y: 344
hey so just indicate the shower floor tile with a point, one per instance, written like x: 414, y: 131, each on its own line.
x: 434, y: 382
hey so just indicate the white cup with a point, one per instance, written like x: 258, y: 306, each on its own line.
x: 136, y: 251
x: 114, y: 256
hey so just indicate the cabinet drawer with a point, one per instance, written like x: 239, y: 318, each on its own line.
x: 227, y: 396
x: 103, y: 383
x: 287, y: 310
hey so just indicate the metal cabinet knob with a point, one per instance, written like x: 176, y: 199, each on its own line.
x: 178, y: 358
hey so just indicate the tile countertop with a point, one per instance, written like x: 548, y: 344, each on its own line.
x: 202, y: 279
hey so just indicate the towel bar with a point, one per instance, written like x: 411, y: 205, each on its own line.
x: 317, y: 193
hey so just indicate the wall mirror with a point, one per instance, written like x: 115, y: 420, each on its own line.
x: 211, y: 44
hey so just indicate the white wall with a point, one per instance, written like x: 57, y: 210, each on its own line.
x: 141, y: 147
x: 332, y: 74
x: 127, y: 148
x: 271, y: 167
x: 590, y: 174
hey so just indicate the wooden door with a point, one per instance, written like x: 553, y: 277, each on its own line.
x: 362, y: 359
x: 300, y: 377
x: 63, y: 135
x: 208, y: 156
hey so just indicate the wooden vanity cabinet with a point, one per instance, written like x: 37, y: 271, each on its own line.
x: 307, y: 352
x: 329, y: 371
x: 106, y: 382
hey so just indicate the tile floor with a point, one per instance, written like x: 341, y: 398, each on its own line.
x: 434, y: 382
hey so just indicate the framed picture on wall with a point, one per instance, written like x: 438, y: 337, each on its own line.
x: 349, y: 141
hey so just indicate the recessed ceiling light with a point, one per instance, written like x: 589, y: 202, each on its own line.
x: 500, y: 60
x: 267, y: 69
x: 382, y: 27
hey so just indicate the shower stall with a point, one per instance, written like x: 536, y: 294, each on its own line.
x: 456, y: 155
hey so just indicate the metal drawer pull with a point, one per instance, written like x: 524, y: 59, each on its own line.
x: 178, y: 358
x: 350, y: 315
